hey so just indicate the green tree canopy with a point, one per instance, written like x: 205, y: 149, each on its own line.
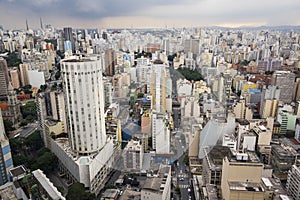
x: 8, y: 125
x: 191, y: 75
x: 77, y: 192
x: 29, y: 109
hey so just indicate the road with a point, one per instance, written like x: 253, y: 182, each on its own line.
x: 28, y: 130
x: 183, y: 179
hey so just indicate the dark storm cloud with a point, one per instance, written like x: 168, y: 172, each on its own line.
x: 89, y: 9
x: 155, y: 12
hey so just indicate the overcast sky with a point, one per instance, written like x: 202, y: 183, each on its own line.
x: 143, y: 13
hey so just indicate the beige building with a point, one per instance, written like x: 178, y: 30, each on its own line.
x: 241, y: 177
x: 270, y: 108
x: 24, y: 74
x: 14, y: 75
x: 241, y: 111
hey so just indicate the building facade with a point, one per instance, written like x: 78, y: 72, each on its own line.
x: 83, y: 88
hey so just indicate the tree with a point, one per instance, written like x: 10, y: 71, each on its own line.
x: 186, y: 160
x: 47, y: 162
x: 77, y: 192
x: 29, y: 109
x: 34, y: 141
x: 57, y: 75
x: 8, y: 125
x: 140, y: 95
x: 43, y: 87
x: 191, y: 75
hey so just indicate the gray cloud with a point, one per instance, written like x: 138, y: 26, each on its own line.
x: 203, y: 12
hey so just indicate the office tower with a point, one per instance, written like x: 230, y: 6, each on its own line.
x: 4, y: 78
x: 24, y: 68
x: 110, y: 62
x: 82, y: 81
x: 284, y: 80
x: 133, y: 156
x: 5, y: 154
x: 293, y: 181
x: 68, y: 36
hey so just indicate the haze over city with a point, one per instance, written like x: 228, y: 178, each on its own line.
x: 145, y: 14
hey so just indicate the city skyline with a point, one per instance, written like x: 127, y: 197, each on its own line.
x: 138, y: 14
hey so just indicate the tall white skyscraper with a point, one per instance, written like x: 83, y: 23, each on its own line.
x: 82, y: 81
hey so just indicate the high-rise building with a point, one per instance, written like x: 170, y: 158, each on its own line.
x: 6, y: 161
x: 13, y: 105
x: 68, y: 36
x: 293, y: 181
x: 110, y: 62
x: 82, y: 81
x: 284, y: 80
x: 4, y: 78
x: 15, y: 80
x: 88, y: 154
x: 24, y: 74
x: 160, y: 133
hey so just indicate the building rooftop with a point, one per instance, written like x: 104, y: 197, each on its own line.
x: 153, y: 183
x: 7, y: 192
x: 47, y: 185
x: 245, y: 186
x: 130, y: 195
x: 17, y: 171
x: 242, y: 121
x: 110, y: 194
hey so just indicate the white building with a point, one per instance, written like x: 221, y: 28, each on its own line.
x: 36, y: 78
x: 87, y: 156
x: 160, y: 133
x: 83, y: 87
x: 293, y: 182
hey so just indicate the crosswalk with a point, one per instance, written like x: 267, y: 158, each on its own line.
x: 183, y: 176
x: 183, y: 186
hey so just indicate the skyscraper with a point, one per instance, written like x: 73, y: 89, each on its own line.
x: 82, y: 80
x: 4, y: 78
x: 5, y: 154
x: 68, y: 36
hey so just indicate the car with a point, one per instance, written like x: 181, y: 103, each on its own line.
x: 181, y: 179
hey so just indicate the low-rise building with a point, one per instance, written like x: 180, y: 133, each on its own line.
x: 158, y: 187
